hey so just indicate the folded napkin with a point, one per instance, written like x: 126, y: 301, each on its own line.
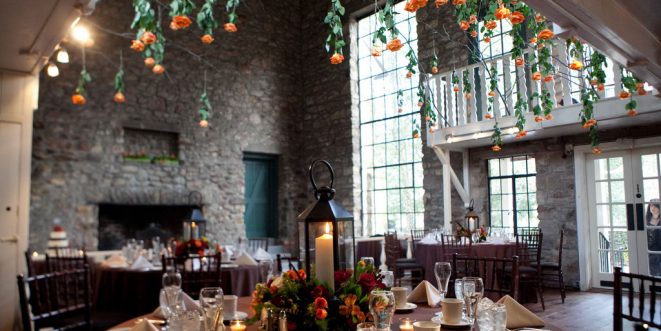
x: 429, y: 239
x: 141, y: 263
x: 115, y: 261
x: 144, y: 325
x: 262, y: 255
x: 245, y: 259
x: 425, y: 292
x: 189, y: 304
x: 518, y: 316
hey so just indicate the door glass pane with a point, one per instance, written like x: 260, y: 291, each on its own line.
x: 619, y: 215
x: 649, y: 163
x: 600, y: 169
x: 616, y: 168
x: 617, y: 191
x: 601, y: 192
x: 650, y: 189
x: 603, y: 215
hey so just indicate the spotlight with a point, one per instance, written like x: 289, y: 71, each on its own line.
x: 63, y: 55
x: 52, y: 70
x: 80, y: 33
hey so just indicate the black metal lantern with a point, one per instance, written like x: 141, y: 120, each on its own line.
x: 472, y: 219
x: 195, y: 226
x: 327, y: 231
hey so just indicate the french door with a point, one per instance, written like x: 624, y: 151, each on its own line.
x: 623, y: 193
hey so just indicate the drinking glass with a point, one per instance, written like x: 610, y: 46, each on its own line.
x: 171, y: 301
x: 171, y: 279
x: 472, y: 290
x: 266, y: 269
x: 382, y: 307
x: 367, y: 260
x: 186, y: 320
x: 388, y: 278
x: 458, y: 289
x: 443, y: 271
x: 211, y: 300
x: 172, y: 287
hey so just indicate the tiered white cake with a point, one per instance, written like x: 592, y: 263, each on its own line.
x: 57, y: 239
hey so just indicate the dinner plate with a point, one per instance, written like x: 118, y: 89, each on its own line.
x: 409, y: 306
x: 439, y: 319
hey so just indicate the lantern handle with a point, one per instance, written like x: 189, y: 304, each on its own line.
x: 330, y: 168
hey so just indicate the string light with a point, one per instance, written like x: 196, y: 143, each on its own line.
x: 62, y: 55
x: 81, y: 34
x: 52, y: 70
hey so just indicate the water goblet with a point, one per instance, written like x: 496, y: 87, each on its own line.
x: 443, y: 271
x: 382, y: 307
x: 211, y: 300
x: 472, y: 291
x: 185, y: 320
x: 171, y: 301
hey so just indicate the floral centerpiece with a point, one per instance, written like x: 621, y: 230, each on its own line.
x: 310, y: 304
x: 194, y: 246
x: 483, y: 234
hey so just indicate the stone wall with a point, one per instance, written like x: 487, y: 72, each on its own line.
x: 253, y: 84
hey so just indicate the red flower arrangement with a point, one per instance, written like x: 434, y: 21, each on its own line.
x: 194, y: 246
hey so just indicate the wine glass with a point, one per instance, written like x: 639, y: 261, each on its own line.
x: 382, y: 307
x: 443, y: 271
x: 172, y: 287
x: 473, y: 290
x: 211, y: 300
x: 171, y: 303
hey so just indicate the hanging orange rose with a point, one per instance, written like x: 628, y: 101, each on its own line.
x: 539, y: 119
x: 148, y: 38
x: 545, y: 34
x: 467, y: 95
x: 519, y: 62
x: 458, y: 2
x: 149, y: 62
x: 204, y: 123
x: 416, y: 135
x: 549, y: 117
x: 488, y: 116
x: 539, y: 18
x: 455, y: 88
x: 492, y: 93
x: 427, y: 118
x: 537, y: 76
x: 336, y: 58
x: 502, y: 13
x: 180, y: 22
x: 596, y: 150
x: 207, y: 39
x: 464, y: 25
x: 632, y: 113
x: 410, y: 7
x: 496, y: 148
x: 119, y: 97
x: 137, y: 45
x: 230, y: 27
x: 173, y: 26
x: 472, y: 19
x: 440, y: 3
x: 394, y: 45
x: 548, y: 78
x: 533, y: 40
x: 78, y: 99
x: 600, y: 87
x: 641, y: 91
x: 490, y: 25
x: 474, y: 34
x: 434, y: 70
x: 420, y: 104
x: 487, y: 39
x: 158, y: 69
x: 521, y: 134
x: 400, y: 110
x: 517, y: 18
x: 409, y: 74
x: 576, y: 65
x: 589, y: 123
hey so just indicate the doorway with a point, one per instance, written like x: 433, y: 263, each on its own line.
x: 624, y: 216
x: 261, y: 195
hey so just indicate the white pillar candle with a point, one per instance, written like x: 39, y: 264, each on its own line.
x: 196, y: 230
x: 323, y: 258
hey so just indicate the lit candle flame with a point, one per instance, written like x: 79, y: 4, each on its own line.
x: 327, y: 228
x: 192, y: 225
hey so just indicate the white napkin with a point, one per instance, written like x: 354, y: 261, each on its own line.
x: 144, y: 325
x: 429, y: 239
x: 519, y: 316
x: 245, y: 259
x: 141, y: 263
x: 425, y: 292
x: 189, y: 303
x: 115, y: 261
x: 262, y: 255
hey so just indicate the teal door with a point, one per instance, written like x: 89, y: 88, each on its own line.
x: 261, y: 195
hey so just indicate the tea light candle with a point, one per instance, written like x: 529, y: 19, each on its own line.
x: 406, y: 324
x: 237, y: 325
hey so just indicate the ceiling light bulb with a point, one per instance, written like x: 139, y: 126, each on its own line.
x: 80, y: 33
x: 63, y: 55
x: 52, y: 70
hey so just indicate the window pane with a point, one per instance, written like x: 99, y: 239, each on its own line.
x: 504, y: 204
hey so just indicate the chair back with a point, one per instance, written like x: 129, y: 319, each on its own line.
x: 562, y: 242
x: 453, y: 244
x: 417, y: 235
x: 529, y: 247
x: 290, y: 262
x: 642, y: 306
x: 63, y: 259
x: 500, y: 275
x: 393, y: 249
x: 29, y: 263
x: 61, y: 300
x: 196, y: 271
x: 256, y: 243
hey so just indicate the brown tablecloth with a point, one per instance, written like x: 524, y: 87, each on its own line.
x: 135, y: 291
x: 427, y: 255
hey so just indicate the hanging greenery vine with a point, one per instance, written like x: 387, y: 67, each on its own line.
x: 335, y: 40
x: 206, y: 21
x: 79, y: 97
x: 205, y: 105
x: 631, y: 84
x: 231, y: 7
x: 180, y: 11
x: 119, y: 82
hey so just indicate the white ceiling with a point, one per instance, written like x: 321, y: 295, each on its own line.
x: 31, y: 29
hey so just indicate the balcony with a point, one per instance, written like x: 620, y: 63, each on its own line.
x: 461, y: 120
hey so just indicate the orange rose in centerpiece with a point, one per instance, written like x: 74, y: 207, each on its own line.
x: 533, y: 40
x: 545, y: 34
x: 180, y: 22
x: 137, y: 45
x: 490, y: 25
x: 230, y: 27
x: 158, y: 69
x: 539, y: 18
x: 78, y: 99
x: 149, y: 62
x: 207, y: 39
x: 321, y: 314
x: 336, y: 58
x: 394, y: 45
x: 502, y: 13
x: 119, y: 97
x: 472, y: 19
x: 148, y: 38
x: 517, y: 18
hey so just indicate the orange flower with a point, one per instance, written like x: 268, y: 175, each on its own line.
x: 78, y: 99
x: 320, y: 303
x: 207, y: 39
x: 576, y: 65
x: 458, y: 2
x: 600, y: 87
x: 291, y: 274
x: 181, y: 22
x: 490, y: 25
x: 533, y: 40
x: 487, y: 39
x: 204, y: 123
x: 427, y: 118
x: 440, y: 3
x: 521, y: 134
x: 321, y: 314
x: 519, y: 62
x: 488, y: 116
x: 119, y: 97
x: 474, y: 34
x: 472, y: 19
x: 467, y: 95
x: 549, y: 117
x: 624, y: 95
x: 137, y: 45
x: 596, y: 150
x: 464, y: 25
x: 416, y: 135
x: 539, y: 18
x: 639, y: 85
x: 149, y: 62
x: 173, y: 26
x: 455, y: 88
x: 492, y: 93
x: 376, y: 51
x: 434, y: 70
x: 537, y: 76
x: 148, y: 38
x: 409, y: 74
x: 545, y: 34
x: 420, y: 104
x: 539, y: 119
x: 394, y: 45
x: 158, y: 69
x: 594, y: 82
x: 400, y: 110
x: 589, y: 123
x: 410, y: 7
x: 350, y: 300
x: 641, y: 91
x: 548, y: 78
x: 301, y: 273
x: 337, y: 58
x: 632, y: 113
x: 502, y: 12
x: 496, y: 148
x: 517, y: 18
x: 230, y: 27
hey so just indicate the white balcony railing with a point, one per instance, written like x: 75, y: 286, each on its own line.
x: 461, y: 118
